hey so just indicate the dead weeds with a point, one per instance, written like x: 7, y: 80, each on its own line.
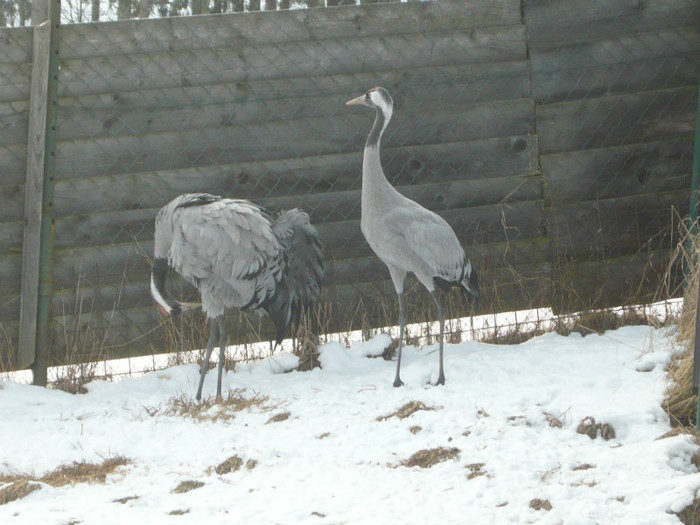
x: 20, y: 485
x: 17, y: 490
x: 208, y: 409
x: 588, y: 427
x: 427, y: 458
x: 407, y: 410
x: 187, y: 486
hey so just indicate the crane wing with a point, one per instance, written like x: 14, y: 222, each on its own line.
x: 229, y: 239
x: 429, y: 237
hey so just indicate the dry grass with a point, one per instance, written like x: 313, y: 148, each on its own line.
x: 20, y: 485
x: 231, y: 464
x: 279, y: 417
x: 427, y: 458
x: 187, y: 486
x: 208, y: 409
x: 476, y: 470
x: 407, y: 410
x: 83, y: 472
x: 540, y: 504
x: 17, y: 490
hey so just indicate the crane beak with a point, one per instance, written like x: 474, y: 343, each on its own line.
x: 359, y: 100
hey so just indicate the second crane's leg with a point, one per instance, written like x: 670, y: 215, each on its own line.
x: 213, y: 328
x: 441, y: 316
x: 402, y: 324
x: 222, y: 355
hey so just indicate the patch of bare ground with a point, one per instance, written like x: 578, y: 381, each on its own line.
x: 407, y: 410
x: 178, y: 512
x: 427, y: 458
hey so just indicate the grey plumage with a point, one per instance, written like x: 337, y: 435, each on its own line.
x: 406, y: 236
x: 238, y: 257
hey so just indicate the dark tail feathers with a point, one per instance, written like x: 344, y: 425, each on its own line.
x: 300, y: 283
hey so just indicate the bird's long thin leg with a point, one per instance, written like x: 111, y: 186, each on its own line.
x: 222, y: 355
x: 205, y: 365
x: 441, y: 316
x: 402, y: 324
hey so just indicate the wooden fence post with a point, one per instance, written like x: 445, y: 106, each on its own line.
x: 37, y: 251
x: 33, y: 194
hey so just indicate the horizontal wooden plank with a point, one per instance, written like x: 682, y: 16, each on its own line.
x: 617, y: 120
x: 617, y: 64
x: 15, y: 79
x: 478, y: 225
x: 554, y: 24
x: 141, y: 112
x: 617, y: 226
x: 616, y: 281
x: 15, y: 45
x: 558, y: 83
x: 235, y: 30
x: 13, y: 160
x: 12, y: 199
x: 617, y: 172
x: 345, y: 132
x: 131, y: 292
x: 118, y: 227
x: 14, y: 117
x: 497, y: 157
x: 11, y: 235
x: 268, y: 62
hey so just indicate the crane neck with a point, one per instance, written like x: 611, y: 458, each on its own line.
x: 381, y: 120
x: 374, y: 182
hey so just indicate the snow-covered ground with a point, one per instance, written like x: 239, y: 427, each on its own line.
x: 508, y: 417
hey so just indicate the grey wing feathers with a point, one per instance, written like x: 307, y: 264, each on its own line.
x: 225, y: 246
x: 429, y: 237
x: 301, y: 281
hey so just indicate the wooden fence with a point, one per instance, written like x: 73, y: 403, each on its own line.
x: 556, y: 137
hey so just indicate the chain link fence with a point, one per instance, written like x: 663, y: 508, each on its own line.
x: 555, y: 137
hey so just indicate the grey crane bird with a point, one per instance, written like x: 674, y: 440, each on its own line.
x: 406, y: 236
x: 236, y: 256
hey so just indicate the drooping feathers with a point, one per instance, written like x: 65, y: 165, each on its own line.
x: 236, y: 256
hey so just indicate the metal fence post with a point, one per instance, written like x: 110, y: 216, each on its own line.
x: 693, y: 218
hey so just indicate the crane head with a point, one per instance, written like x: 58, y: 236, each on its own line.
x: 376, y: 98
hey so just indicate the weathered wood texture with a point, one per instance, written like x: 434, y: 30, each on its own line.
x: 556, y: 139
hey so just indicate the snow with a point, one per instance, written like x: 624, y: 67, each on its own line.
x: 512, y: 411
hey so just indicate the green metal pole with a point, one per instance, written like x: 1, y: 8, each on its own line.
x: 693, y: 217
x: 43, y: 322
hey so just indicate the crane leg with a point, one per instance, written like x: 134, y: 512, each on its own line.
x: 222, y: 355
x: 402, y: 324
x: 205, y: 365
x: 441, y: 316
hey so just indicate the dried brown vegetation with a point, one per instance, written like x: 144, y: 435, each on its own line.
x: 407, y: 410
x: 21, y: 485
x: 427, y: 458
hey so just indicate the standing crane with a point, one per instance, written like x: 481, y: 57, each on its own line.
x: 406, y: 236
x: 232, y: 252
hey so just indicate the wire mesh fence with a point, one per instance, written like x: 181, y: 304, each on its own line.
x: 556, y: 139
